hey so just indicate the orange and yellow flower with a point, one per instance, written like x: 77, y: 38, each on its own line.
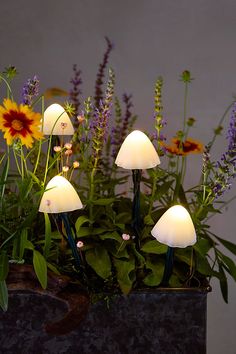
x: 19, y: 122
x: 189, y: 146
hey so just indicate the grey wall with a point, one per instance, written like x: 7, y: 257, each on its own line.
x: 151, y: 37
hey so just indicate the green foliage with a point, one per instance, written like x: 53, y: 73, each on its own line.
x: 111, y: 260
x: 3, y: 295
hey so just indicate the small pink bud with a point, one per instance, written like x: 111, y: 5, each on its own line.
x: 126, y: 237
x: 80, y: 244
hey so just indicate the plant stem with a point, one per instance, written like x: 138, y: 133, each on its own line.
x: 92, y: 187
x: 185, y: 108
x: 219, y: 124
x: 40, y: 142
x: 9, y: 91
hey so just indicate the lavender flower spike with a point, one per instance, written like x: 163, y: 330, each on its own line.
x: 231, y: 136
x: 30, y: 90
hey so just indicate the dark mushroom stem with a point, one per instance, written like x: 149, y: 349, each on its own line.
x: 71, y: 240
x: 136, y: 218
x: 168, y: 266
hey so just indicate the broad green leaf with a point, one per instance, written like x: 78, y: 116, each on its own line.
x: 112, y: 236
x: 104, y: 201
x: 156, y: 274
x: 48, y: 236
x: 148, y: 220
x: 203, y: 266
x: 80, y: 221
x: 203, y: 246
x: 40, y: 267
x: 3, y: 295
x: 98, y: 258
x: 123, y: 217
x: 87, y: 231
x: 4, y: 265
x: 125, y: 273
x: 154, y: 247
x: 119, y: 250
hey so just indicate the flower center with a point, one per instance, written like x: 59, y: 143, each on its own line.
x: 17, y: 124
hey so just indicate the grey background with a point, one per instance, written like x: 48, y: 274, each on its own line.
x: 152, y: 38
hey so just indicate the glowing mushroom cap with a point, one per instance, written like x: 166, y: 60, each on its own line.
x: 175, y: 228
x: 59, y: 196
x: 137, y: 152
x: 56, y: 121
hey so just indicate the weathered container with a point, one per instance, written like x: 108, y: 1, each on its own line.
x: 164, y: 321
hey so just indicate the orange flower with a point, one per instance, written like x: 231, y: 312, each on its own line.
x: 189, y: 146
x: 19, y: 122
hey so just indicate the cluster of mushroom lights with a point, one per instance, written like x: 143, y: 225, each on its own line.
x: 174, y: 229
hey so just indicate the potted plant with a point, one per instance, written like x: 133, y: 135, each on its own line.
x: 98, y: 249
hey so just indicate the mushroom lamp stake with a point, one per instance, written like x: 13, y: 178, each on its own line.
x: 137, y: 153
x: 59, y: 198
x: 174, y: 229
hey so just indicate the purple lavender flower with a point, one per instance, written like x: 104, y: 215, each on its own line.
x: 226, y: 165
x: 75, y: 92
x: 30, y: 90
x: 231, y: 136
x: 99, y: 124
x: 100, y: 75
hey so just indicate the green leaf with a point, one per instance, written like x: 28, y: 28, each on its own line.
x: 138, y: 255
x: 111, y: 236
x: 203, y: 246
x: 223, y: 284
x: 154, y: 247
x: 98, y: 258
x: 3, y: 295
x: 23, y: 239
x: 163, y: 189
x: 87, y: 231
x: 4, y: 265
x: 48, y: 236
x: 156, y: 274
x: 231, y: 267
x: 148, y: 220
x: 104, y: 201
x: 227, y: 244
x: 125, y: 273
x: 40, y: 267
x: 53, y: 268
x: 184, y: 255
x: 80, y: 221
x: 4, y: 178
x: 203, y: 266
x: 29, y: 245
